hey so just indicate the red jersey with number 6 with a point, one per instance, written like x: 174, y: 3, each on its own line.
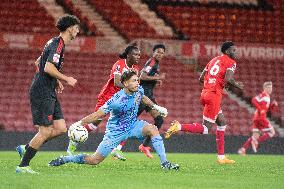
x: 214, y: 79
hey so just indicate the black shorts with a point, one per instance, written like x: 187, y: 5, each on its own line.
x: 44, y: 111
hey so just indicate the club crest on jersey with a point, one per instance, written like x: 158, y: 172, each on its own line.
x: 56, y: 58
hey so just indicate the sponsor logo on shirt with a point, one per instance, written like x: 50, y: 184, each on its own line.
x: 56, y: 58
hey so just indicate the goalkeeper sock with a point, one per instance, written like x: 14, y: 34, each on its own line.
x: 159, y: 147
x: 80, y: 159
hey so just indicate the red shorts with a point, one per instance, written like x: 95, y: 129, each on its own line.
x: 101, y: 101
x: 211, y: 101
x: 261, y: 125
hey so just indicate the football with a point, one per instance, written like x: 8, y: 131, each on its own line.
x: 78, y: 134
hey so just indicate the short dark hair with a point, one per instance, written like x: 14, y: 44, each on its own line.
x: 126, y: 75
x: 226, y: 45
x: 158, y: 46
x: 127, y: 50
x: 66, y: 21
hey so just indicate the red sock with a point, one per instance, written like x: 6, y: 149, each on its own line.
x: 90, y: 127
x: 220, y: 141
x: 123, y: 143
x: 263, y: 138
x: 192, y: 128
x: 247, y: 144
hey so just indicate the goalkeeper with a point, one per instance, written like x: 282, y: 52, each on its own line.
x: 122, y: 124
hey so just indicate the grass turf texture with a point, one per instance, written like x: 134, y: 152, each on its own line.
x: 197, y: 171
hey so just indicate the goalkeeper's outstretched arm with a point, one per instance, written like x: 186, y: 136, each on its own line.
x: 163, y: 111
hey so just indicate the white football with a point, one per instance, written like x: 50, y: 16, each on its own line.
x: 78, y: 134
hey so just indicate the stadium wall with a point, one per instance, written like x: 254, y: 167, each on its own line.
x: 176, y: 144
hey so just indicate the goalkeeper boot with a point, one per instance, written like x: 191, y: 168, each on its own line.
x: 117, y: 154
x: 175, y: 127
x: 57, y: 162
x: 168, y: 166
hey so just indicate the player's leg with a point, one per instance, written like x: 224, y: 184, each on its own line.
x: 142, y: 129
x: 158, y: 145
x: 43, y: 134
x: 220, y: 140
x: 103, y: 150
x: 144, y: 147
x: 254, y: 141
x: 267, y: 132
x: 209, y: 117
x: 42, y: 113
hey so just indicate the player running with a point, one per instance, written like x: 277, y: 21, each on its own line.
x: 217, y: 74
x: 122, y: 124
x: 260, y: 122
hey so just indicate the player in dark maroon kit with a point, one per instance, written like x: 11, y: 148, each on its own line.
x: 46, y: 110
x: 260, y: 122
x: 217, y: 74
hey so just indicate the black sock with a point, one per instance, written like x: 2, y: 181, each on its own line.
x: 30, y: 153
x: 147, y: 141
x: 26, y: 147
x: 159, y: 120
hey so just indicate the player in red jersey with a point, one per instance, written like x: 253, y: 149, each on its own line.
x: 217, y: 74
x: 128, y: 60
x: 260, y: 122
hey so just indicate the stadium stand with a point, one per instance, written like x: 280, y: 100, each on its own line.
x: 202, y: 22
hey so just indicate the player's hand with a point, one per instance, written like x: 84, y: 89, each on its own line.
x: 71, y: 81
x: 163, y: 111
x: 59, y: 87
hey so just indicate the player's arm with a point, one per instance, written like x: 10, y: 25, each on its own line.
x: 163, y: 111
x: 144, y: 76
x: 93, y: 117
x: 117, y: 81
x: 52, y: 71
x: 229, y: 79
x: 201, y: 78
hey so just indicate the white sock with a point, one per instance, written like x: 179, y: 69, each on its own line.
x: 221, y: 156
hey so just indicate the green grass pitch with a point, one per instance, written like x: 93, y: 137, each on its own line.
x: 196, y: 171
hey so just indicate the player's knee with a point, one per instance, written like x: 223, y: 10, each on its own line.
x: 153, y: 130
x: 159, y: 121
x: 45, y: 132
